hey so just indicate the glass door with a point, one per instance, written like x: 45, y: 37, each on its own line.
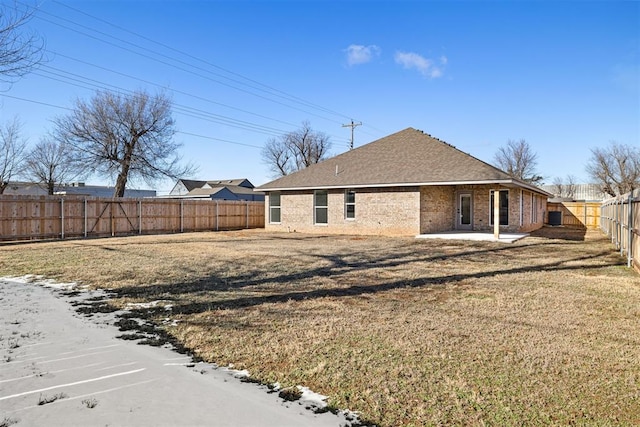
x: 465, y: 212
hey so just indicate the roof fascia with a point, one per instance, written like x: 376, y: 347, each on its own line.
x: 408, y: 184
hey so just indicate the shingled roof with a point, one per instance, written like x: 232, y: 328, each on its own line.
x: 406, y: 158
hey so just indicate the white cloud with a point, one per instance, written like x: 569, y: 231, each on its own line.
x: 359, y: 54
x: 425, y: 66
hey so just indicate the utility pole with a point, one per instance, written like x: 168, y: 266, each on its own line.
x: 352, y: 125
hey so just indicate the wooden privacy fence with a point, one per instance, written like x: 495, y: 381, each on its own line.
x: 620, y: 220
x: 576, y: 214
x: 55, y: 217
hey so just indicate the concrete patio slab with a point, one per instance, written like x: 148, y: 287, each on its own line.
x: 475, y: 235
x: 59, y: 368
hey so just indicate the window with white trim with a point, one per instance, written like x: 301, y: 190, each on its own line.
x: 350, y: 204
x: 320, y: 207
x: 274, y: 208
x: 504, y: 207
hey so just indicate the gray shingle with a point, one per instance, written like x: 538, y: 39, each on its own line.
x: 403, y: 158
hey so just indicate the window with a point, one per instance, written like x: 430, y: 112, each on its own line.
x: 350, y: 204
x: 504, y: 207
x: 320, y: 207
x: 534, y: 208
x: 274, y: 208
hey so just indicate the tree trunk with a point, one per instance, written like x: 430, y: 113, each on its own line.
x: 121, y: 182
x: 50, y: 187
x: 3, y: 185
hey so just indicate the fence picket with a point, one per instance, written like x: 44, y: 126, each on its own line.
x: 620, y: 220
x: 55, y: 217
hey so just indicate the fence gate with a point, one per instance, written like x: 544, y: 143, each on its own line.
x: 115, y: 217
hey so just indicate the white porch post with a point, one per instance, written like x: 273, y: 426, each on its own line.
x: 496, y: 213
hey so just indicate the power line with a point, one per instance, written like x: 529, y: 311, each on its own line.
x: 185, y: 110
x: 172, y: 90
x: 35, y: 102
x: 289, y: 98
x: 81, y: 81
x: 270, y: 88
x: 181, y: 132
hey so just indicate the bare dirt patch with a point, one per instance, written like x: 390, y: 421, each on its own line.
x: 542, y: 331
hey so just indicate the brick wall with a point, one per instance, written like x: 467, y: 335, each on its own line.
x: 384, y: 211
x: 437, y: 209
x: 404, y: 211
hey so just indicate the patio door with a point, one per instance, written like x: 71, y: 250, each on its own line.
x: 465, y: 212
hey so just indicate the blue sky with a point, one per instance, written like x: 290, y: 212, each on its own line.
x: 564, y: 76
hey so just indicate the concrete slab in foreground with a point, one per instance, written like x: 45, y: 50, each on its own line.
x: 90, y: 378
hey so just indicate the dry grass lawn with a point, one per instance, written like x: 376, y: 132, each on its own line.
x: 545, y: 331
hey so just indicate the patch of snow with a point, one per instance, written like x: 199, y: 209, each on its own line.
x: 239, y: 374
x: 151, y: 304
x: 170, y: 322
x: 40, y: 280
x: 312, y: 398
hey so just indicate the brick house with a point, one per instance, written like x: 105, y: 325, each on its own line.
x: 407, y: 183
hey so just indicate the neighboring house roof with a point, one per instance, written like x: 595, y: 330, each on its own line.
x: 191, y: 184
x: 234, y: 189
x: 185, y: 186
x: 406, y: 158
x: 577, y: 191
x: 25, y: 188
x: 223, y: 189
x: 78, y: 189
x: 241, y: 182
x: 206, y: 191
x: 100, y: 191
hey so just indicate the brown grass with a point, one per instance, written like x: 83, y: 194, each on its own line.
x: 408, y: 332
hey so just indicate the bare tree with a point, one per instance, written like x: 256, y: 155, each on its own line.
x: 20, y: 50
x: 129, y: 136
x: 571, y: 186
x: 295, y: 150
x: 277, y: 155
x: 518, y: 160
x: 616, y: 168
x: 50, y: 163
x: 558, y: 187
x: 12, y: 152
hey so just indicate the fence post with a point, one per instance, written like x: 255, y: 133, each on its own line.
x: 621, y: 226
x: 217, y: 218
x: 140, y: 216
x: 630, y: 230
x: 614, y: 231
x: 62, y: 219
x: 181, y: 216
x: 85, y: 218
x: 247, y: 214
